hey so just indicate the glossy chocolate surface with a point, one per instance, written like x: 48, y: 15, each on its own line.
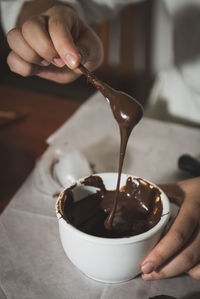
x: 139, y: 208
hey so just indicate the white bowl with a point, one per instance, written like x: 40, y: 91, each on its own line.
x: 103, y: 259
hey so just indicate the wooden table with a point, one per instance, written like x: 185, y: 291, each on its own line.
x: 23, y: 141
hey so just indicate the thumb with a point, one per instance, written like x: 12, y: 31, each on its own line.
x: 60, y: 24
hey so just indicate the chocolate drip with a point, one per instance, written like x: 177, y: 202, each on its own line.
x: 127, y: 112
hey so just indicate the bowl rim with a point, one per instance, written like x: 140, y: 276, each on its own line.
x: 117, y: 241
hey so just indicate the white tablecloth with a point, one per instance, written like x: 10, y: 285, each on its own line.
x: 32, y: 261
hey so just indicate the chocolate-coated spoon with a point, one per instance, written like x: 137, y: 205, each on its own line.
x: 127, y: 112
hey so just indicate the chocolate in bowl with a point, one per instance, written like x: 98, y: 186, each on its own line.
x: 106, y: 259
x: 139, y: 208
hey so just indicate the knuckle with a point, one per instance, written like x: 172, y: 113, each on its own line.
x: 27, y: 25
x: 11, y: 35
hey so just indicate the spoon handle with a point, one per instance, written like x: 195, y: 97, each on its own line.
x: 90, y: 77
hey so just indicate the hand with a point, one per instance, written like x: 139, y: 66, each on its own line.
x: 179, y: 250
x: 52, y: 44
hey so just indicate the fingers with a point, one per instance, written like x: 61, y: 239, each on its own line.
x: 51, y: 39
x: 23, y: 68
x: 181, y: 263
x: 59, y: 75
x: 60, y: 25
x: 35, y: 34
x: 195, y: 272
x: 17, y: 42
x: 20, y: 66
x: 33, y: 44
x: 178, y: 251
x: 173, y: 242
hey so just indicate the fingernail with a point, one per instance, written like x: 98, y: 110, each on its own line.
x: 147, y: 268
x: 147, y: 276
x: 71, y: 60
x: 45, y: 62
x: 58, y: 62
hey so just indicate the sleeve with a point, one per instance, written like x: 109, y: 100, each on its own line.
x: 96, y: 11
x: 91, y: 11
x: 9, y: 13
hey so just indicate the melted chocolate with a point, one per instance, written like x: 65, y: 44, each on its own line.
x: 139, y: 208
x: 127, y: 112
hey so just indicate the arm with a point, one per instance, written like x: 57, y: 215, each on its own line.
x: 179, y: 250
